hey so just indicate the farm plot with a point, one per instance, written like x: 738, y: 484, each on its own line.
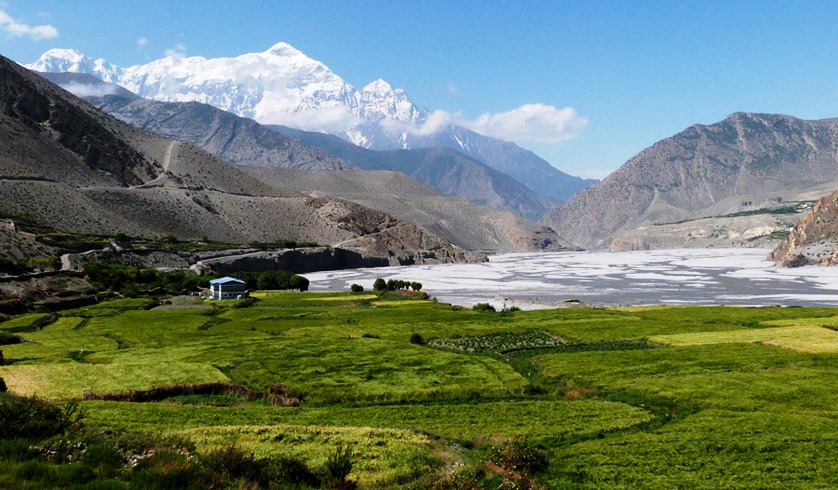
x: 813, y: 339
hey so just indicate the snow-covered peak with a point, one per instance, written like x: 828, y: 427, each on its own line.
x: 70, y: 60
x: 61, y: 60
x: 283, y: 49
x: 378, y: 87
x: 278, y: 86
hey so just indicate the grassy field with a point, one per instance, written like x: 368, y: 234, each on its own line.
x: 678, y: 397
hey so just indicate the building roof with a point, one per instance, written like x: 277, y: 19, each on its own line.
x: 226, y: 280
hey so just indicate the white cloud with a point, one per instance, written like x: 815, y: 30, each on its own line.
x: 536, y: 123
x: 17, y: 29
x: 332, y: 119
x: 436, y: 121
x: 179, y: 51
x: 530, y: 123
x: 141, y: 42
x: 89, y: 90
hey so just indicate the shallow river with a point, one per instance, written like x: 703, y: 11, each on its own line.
x: 658, y: 277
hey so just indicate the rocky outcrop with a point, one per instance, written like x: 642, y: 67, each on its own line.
x: 295, y: 260
x: 705, y: 171
x: 756, y: 231
x: 815, y: 238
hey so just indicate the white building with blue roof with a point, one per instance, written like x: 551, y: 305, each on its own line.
x: 228, y: 288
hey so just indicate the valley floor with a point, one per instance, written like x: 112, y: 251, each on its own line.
x: 730, y: 276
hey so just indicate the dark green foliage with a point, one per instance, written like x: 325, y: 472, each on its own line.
x: 231, y: 463
x: 291, y: 471
x: 7, y: 338
x: 130, y: 279
x: 338, y: 466
x: 167, y: 468
x: 415, y: 338
x: 356, y: 288
x: 103, y: 458
x: 273, y: 280
x: 32, y: 418
x: 396, y: 285
x: 483, y: 307
x: 17, y: 449
x: 379, y: 285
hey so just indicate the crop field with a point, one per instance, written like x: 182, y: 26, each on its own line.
x: 656, y: 397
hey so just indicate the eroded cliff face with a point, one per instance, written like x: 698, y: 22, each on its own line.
x: 814, y: 241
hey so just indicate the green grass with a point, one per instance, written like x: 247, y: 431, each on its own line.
x: 653, y: 397
x: 556, y: 419
x: 804, y: 338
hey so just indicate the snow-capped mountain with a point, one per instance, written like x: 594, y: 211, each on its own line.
x: 278, y: 86
x: 283, y: 86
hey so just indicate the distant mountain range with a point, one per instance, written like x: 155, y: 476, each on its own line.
x: 71, y: 167
x: 283, y: 86
x: 744, y: 163
x: 242, y: 141
x: 67, y: 165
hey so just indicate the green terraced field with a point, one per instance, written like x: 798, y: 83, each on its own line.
x: 655, y: 397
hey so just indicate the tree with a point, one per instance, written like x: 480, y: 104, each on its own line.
x: 379, y: 285
x: 356, y: 288
x: 416, y: 286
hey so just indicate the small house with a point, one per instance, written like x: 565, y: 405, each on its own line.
x: 228, y: 288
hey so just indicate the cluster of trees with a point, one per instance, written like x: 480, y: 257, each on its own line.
x: 273, y: 280
x: 395, y: 285
x: 132, y: 280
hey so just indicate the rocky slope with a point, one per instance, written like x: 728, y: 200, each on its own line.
x: 70, y: 166
x: 746, y: 162
x: 283, y: 86
x: 465, y: 224
x: 814, y: 240
x: 242, y: 141
x: 234, y: 139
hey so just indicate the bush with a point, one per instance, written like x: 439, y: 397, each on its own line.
x: 3, y: 387
x: 416, y: 339
x: 379, y: 285
x: 416, y: 286
x: 483, y: 307
x: 32, y: 418
x: 338, y: 466
x: 230, y: 463
x: 103, y: 458
x: 356, y: 288
x: 291, y: 471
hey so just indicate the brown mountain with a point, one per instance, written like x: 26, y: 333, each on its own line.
x: 69, y: 165
x: 745, y: 162
x: 267, y: 154
x: 814, y: 240
x: 464, y: 223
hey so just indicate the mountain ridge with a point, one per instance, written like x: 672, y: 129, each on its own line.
x: 737, y: 164
x: 283, y: 86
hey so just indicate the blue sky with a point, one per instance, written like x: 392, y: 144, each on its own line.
x: 603, y: 79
